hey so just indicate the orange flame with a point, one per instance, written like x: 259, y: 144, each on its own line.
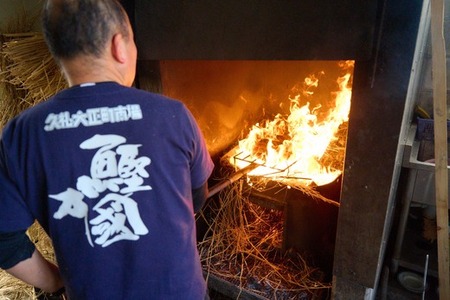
x: 292, y: 147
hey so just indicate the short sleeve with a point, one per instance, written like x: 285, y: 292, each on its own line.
x: 201, y: 164
x: 14, y: 213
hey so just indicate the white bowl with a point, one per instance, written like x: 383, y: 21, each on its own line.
x: 411, y: 281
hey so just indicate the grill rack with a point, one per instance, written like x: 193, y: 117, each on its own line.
x: 236, y: 157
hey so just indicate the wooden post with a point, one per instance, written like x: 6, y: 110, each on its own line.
x: 440, y: 140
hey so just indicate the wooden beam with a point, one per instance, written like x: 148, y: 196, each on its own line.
x: 440, y: 140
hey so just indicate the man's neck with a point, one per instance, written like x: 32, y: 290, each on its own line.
x: 82, y: 71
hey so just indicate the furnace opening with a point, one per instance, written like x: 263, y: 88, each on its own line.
x: 282, y: 127
x: 229, y: 97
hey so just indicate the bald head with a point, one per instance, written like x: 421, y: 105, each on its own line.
x: 92, y: 40
x: 82, y: 27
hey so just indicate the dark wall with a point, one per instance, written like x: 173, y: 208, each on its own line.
x: 129, y: 6
x: 375, y: 120
x: 253, y: 29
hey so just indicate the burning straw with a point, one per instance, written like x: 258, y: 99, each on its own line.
x: 243, y: 247
x: 306, y: 147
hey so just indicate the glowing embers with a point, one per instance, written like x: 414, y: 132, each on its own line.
x: 306, y: 146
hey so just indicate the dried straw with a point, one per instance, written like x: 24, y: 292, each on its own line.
x: 29, y: 74
x: 12, y: 288
x: 243, y: 247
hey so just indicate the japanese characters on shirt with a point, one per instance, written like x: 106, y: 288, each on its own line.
x: 116, y: 173
x: 93, y: 117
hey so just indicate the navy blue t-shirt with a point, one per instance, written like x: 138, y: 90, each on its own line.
x: 108, y: 172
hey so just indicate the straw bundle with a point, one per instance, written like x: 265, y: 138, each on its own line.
x: 12, y: 288
x: 29, y: 74
x: 243, y: 245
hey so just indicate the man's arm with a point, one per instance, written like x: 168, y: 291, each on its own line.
x: 38, y: 272
x: 19, y: 257
x: 199, y: 196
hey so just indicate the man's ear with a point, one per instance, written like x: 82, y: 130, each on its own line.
x: 118, y: 48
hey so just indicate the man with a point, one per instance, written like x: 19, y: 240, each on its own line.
x: 113, y: 174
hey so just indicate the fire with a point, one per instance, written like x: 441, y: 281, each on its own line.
x: 299, y: 146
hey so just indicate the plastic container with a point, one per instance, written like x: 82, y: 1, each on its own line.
x: 425, y: 129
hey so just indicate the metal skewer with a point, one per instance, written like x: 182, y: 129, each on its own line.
x: 425, y: 273
x: 233, y: 178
